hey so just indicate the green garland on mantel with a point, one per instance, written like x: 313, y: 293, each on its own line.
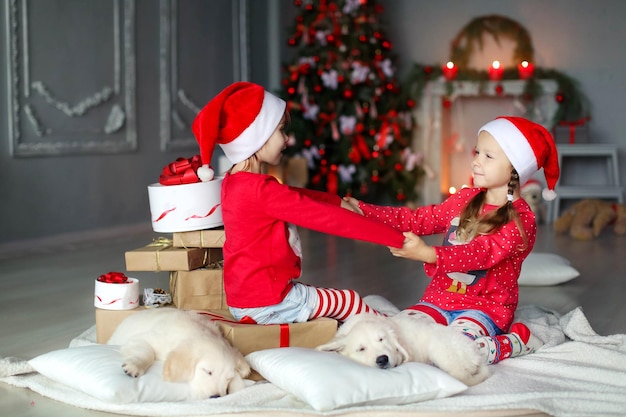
x: 573, y: 105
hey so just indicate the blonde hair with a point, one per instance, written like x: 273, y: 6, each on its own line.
x: 472, y: 223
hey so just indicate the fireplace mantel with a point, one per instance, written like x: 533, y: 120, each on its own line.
x: 428, y: 135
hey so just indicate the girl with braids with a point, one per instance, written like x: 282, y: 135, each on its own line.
x: 489, y: 231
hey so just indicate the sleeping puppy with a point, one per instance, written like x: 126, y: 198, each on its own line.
x: 386, y: 342
x: 192, y: 347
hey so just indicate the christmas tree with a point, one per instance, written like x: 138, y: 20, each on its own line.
x: 350, y: 117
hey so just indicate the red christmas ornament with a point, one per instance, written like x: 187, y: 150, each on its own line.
x: 446, y: 103
x: 307, y: 143
x: 285, y: 82
x: 386, y: 44
x: 330, y: 38
x: 317, y: 88
x: 387, y: 152
x: 322, y: 152
x: 400, y: 196
x: 363, y: 189
x: 298, y: 3
x: 362, y: 38
x: 348, y: 94
x: 428, y: 70
x: 377, y: 35
x: 499, y: 89
x: 398, y: 167
x: 340, y: 78
x: 375, y: 154
x: 372, y: 132
x: 560, y: 97
x: 291, y: 91
x: 389, y: 86
x: 375, y: 178
x: 291, y: 42
x: 333, y: 168
x: 410, y: 103
x: 309, y: 7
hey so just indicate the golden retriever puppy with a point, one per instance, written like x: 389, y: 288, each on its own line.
x: 386, y: 342
x: 191, y: 346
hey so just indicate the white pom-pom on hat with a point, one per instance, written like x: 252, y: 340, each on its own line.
x: 205, y: 173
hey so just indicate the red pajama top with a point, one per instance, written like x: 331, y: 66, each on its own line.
x: 259, y: 262
x: 481, y: 274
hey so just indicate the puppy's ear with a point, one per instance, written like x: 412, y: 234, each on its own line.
x: 336, y: 345
x: 241, y: 365
x: 179, y: 365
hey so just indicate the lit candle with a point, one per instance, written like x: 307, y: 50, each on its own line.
x: 496, y: 71
x: 449, y: 71
x: 525, y: 70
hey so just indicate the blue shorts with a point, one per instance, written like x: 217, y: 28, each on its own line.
x: 446, y: 317
x: 296, y: 307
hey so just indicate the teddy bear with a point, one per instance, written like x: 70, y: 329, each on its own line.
x: 586, y: 219
x: 531, y: 192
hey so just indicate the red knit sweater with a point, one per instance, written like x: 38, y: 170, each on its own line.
x: 259, y: 263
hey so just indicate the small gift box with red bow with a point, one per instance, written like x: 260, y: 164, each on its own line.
x: 180, y: 202
x: 576, y: 131
x: 116, y: 291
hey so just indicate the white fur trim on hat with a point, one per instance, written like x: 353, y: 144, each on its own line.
x: 254, y: 136
x: 515, y: 146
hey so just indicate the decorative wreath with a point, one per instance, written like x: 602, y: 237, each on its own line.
x: 497, y: 26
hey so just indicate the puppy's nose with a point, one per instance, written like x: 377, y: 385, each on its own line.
x: 215, y: 396
x: 382, y: 361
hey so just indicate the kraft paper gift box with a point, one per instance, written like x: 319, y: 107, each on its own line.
x: 245, y: 337
x: 161, y: 256
x: 200, y: 289
x: 208, y: 238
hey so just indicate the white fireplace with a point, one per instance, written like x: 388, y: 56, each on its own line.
x: 446, y: 135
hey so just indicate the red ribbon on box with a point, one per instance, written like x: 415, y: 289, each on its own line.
x: 572, y: 127
x: 283, y: 338
x: 181, y: 171
x: 113, y: 278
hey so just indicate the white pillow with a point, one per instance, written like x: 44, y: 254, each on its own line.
x: 546, y: 269
x: 96, y: 370
x: 327, y: 380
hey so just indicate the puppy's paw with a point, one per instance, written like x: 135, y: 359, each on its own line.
x: 133, y: 369
x: 458, y: 355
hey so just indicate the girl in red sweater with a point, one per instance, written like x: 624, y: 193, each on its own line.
x: 262, y: 254
x: 489, y: 231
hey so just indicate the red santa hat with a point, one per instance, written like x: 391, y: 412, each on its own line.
x: 529, y: 146
x: 240, y: 119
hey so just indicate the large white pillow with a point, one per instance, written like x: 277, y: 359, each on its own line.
x: 327, y: 380
x: 546, y: 269
x: 96, y: 370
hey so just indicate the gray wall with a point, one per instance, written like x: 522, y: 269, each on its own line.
x: 46, y: 196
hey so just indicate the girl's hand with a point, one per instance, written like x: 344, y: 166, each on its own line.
x: 352, y: 204
x: 415, y: 248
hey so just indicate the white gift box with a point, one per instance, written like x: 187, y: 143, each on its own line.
x: 117, y: 295
x: 185, y: 207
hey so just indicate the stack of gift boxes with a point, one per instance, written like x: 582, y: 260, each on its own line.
x: 194, y: 260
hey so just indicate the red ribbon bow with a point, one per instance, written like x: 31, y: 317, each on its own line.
x: 181, y: 171
x: 113, y: 278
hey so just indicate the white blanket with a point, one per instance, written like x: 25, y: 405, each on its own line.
x: 576, y: 373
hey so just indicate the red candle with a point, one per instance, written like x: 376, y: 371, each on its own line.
x: 496, y: 71
x: 449, y: 71
x: 525, y: 70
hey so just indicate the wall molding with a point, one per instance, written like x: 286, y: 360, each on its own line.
x: 50, y: 111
